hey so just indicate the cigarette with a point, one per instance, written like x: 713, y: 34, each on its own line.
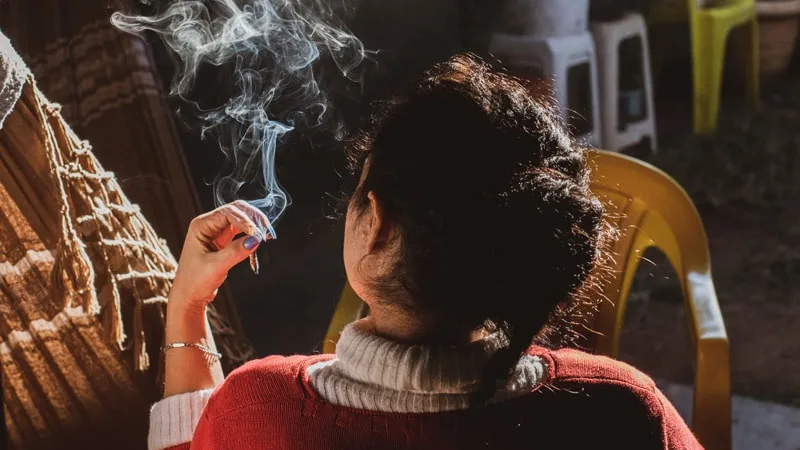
x: 254, y: 263
x: 269, y: 233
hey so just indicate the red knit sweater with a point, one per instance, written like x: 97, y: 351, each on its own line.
x: 588, y: 402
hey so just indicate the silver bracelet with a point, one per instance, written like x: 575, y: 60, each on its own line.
x: 203, y: 348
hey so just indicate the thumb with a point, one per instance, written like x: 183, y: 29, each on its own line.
x: 237, y: 251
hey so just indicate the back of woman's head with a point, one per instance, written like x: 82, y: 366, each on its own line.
x: 491, y: 199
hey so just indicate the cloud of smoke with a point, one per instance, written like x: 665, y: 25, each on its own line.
x: 272, y: 46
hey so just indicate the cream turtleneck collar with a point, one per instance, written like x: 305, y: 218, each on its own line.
x: 370, y: 372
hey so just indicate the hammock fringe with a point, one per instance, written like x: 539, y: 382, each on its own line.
x: 86, y: 195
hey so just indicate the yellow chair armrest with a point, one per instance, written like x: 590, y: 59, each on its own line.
x: 349, y: 309
x: 711, y: 417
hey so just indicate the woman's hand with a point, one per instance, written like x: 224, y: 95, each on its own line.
x: 210, y: 251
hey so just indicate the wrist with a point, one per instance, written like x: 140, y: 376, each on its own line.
x: 185, y: 309
x: 186, y: 323
x: 189, y: 369
x: 183, y: 302
x: 187, y: 296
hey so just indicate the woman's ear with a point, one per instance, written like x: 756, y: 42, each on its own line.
x: 378, y: 227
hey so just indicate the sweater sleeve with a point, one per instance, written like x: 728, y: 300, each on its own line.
x: 677, y: 435
x: 173, y: 420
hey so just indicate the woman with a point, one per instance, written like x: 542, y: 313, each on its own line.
x: 471, y: 225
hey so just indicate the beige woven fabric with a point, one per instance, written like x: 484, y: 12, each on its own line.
x: 108, y: 85
x: 62, y: 375
x: 83, y: 285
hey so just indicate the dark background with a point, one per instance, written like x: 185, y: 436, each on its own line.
x: 287, y: 307
x: 744, y: 180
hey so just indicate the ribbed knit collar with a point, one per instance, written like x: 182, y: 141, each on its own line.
x: 376, y: 374
x: 445, y: 369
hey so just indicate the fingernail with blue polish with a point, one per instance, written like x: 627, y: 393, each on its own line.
x: 250, y: 243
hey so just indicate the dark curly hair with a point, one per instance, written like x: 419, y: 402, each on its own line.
x: 491, y: 197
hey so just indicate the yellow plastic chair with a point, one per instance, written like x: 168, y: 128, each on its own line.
x: 651, y: 210
x: 710, y: 27
x: 654, y: 211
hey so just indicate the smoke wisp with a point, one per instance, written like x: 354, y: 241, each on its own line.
x: 272, y: 46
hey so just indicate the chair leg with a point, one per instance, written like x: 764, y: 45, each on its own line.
x: 708, y: 57
x: 658, y: 54
x: 711, y: 414
x: 753, y: 70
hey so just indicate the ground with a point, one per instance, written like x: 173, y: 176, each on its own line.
x: 746, y: 183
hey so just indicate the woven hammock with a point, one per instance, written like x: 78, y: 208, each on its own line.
x: 83, y: 284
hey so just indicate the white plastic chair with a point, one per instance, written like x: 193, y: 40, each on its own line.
x: 627, y: 114
x: 559, y: 59
x: 545, y: 18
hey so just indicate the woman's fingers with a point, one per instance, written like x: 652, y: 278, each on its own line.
x: 240, y: 220
x: 210, y: 250
x: 257, y: 217
x: 220, y: 227
x: 222, y: 224
x: 225, y: 237
x: 254, y: 224
x: 237, y: 251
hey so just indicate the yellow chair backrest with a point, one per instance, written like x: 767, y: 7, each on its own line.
x: 651, y: 210
x: 654, y: 211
